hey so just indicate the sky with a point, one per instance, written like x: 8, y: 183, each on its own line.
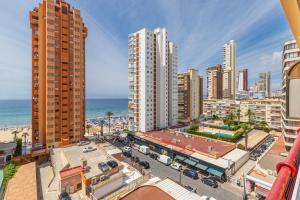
x: 200, y: 28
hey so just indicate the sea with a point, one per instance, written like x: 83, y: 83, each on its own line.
x: 17, y: 113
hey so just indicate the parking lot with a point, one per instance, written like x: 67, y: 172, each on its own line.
x: 258, y: 152
x: 159, y: 169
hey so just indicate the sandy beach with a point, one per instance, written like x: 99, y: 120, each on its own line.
x: 7, y: 136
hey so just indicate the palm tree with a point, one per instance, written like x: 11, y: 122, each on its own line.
x: 88, y: 127
x: 15, y: 133
x: 109, y: 114
x: 238, y: 114
x: 24, y: 135
x: 249, y: 114
x: 245, y: 127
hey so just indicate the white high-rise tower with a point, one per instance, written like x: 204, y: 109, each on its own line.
x: 152, y: 80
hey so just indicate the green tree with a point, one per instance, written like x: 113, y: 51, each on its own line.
x: 25, y: 135
x: 88, y: 127
x: 18, y: 151
x: 109, y: 114
x: 15, y: 133
x: 245, y: 127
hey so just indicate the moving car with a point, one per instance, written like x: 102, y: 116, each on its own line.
x: 127, y: 154
x: 144, y: 149
x: 191, y: 173
x: 210, y: 182
x: 164, y: 159
x: 103, y: 166
x: 89, y: 149
x: 176, y: 166
x: 112, y: 164
x: 145, y: 164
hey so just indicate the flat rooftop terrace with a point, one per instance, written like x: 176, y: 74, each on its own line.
x: 188, y: 143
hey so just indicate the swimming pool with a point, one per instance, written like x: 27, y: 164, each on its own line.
x: 219, y: 134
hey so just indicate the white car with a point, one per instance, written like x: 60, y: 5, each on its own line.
x: 88, y: 149
x: 176, y: 166
x: 127, y: 148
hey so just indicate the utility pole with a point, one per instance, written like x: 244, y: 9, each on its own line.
x: 244, y: 183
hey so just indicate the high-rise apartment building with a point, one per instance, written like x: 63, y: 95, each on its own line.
x: 263, y: 84
x: 229, y: 70
x: 190, y: 96
x: 58, y: 74
x: 290, y: 109
x: 243, y: 80
x: 152, y: 80
x: 214, y: 82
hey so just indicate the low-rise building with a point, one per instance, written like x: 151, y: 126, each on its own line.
x: 219, y: 107
x: 268, y: 110
x: 85, y: 169
x: 7, y: 150
x: 166, y: 189
x: 261, y: 178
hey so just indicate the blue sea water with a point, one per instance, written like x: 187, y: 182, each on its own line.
x: 18, y: 112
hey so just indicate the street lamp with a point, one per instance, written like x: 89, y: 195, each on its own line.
x: 180, y: 170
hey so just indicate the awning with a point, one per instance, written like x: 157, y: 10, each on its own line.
x: 215, y: 172
x: 178, y: 157
x: 202, y: 167
x: 190, y: 162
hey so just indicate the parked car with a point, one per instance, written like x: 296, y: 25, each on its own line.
x: 112, y: 164
x: 127, y: 148
x: 103, y: 166
x: 136, y: 146
x: 164, y: 159
x: 89, y: 149
x: 82, y: 143
x: 135, y: 159
x: 210, y: 182
x: 153, y: 156
x: 191, y: 173
x: 145, y: 164
x: 64, y: 196
x: 176, y: 166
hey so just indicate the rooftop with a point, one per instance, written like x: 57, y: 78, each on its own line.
x: 188, y: 143
x: 72, y: 156
x: 166, y: 189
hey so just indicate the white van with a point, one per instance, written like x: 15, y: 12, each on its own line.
x: 164, y: 159
x: 144, y: 149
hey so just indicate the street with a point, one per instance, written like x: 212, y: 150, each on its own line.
x: 162, y: 171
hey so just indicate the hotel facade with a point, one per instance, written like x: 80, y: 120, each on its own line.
x: 153, y: 92
x: 58, y: 74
